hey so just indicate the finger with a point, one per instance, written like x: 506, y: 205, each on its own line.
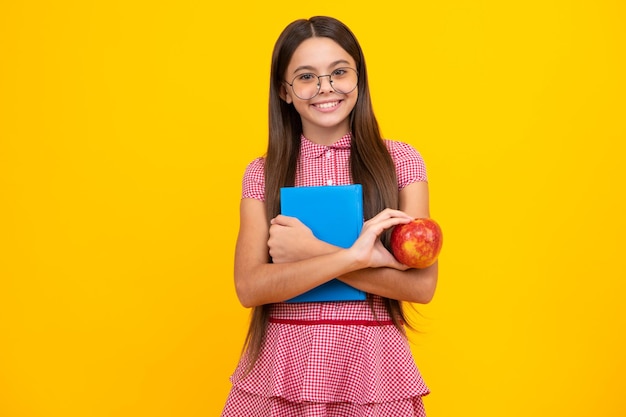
x: 390, y: 260
x: 389, y: 213
x: 380, y: 225
x: 283, y: 220
x: 399, y: 266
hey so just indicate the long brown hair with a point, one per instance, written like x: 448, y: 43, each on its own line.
x: 370, y: 162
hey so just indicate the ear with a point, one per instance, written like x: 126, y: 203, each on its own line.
x: 285, y: 94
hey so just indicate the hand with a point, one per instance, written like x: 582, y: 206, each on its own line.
x: 368, y: 248
x: 290, y: 240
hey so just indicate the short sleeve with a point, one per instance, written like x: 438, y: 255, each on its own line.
x: 409, y: 163
x: 254, y: 180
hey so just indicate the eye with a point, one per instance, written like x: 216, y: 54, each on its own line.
x: 306, y: 77
x: 339, y: 72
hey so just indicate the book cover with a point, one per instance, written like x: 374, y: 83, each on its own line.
x: 334, y: 214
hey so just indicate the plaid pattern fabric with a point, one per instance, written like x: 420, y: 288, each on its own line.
x: 330, y: 359
x: 330, y: 165
x: 241, y: 403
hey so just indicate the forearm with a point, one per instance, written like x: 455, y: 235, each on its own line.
x: 298, y: 267
x: 276, y: 282
x: 412, y: 285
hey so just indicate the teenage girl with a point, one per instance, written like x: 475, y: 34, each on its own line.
x: 327, y: 358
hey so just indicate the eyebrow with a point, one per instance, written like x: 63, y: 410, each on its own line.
x: 310, y: 68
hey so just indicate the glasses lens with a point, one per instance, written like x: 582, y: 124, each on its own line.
x: 306, y: 86
x: 344, y: 80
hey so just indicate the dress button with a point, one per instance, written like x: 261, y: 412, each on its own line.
x: 329, y: 182
x: 329, y: 154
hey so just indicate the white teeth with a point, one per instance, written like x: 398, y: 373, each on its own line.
x: 327, y: 105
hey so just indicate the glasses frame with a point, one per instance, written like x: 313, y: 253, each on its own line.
x: 319, y: 83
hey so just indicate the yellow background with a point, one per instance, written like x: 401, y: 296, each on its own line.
x: 125, y: 127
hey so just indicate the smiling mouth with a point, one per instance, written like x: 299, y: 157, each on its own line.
x: 327, y: 105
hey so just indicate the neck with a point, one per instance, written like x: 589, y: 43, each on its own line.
x: 325, y: 137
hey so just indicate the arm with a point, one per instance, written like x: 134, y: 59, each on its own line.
x: 290, y: 241
x: 257, y: 281
x: 413, y: 285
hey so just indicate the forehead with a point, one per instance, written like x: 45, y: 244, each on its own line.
x: 319, y: 54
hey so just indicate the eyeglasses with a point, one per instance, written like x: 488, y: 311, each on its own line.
x: 307, y: 85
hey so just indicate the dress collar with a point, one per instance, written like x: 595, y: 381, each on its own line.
x: 315, y: 150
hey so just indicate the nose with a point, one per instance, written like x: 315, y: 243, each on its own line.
x: 329, y: 83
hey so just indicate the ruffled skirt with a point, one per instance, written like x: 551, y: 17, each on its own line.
x: 329, y: 359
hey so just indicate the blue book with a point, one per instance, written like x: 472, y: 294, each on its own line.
x: 334, y: 214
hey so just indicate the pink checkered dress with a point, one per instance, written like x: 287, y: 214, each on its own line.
x: 337, y: 358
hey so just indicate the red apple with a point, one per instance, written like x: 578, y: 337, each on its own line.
x: 417, y: 244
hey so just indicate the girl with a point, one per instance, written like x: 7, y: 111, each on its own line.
x: 327, y: 358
